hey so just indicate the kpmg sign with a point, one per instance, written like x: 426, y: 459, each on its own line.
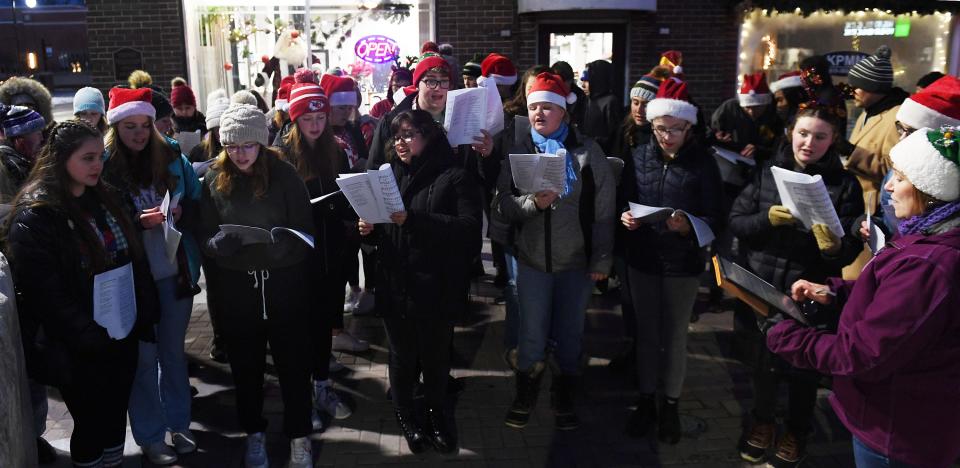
x: 841, y: 62
x: 377, y: 49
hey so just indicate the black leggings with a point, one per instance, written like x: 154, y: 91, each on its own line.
x: 285, y: 296
x: 802, y: 396
x: 418, y: 345
x: 97, y: 398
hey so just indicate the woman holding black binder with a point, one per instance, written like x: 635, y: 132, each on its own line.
x: 780, y: 250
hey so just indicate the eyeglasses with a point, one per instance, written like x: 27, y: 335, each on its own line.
x: 903, y: 130
x: 246, y: 147
x: 670, y: 132
x: 406, y: 137
x: 432, y: 84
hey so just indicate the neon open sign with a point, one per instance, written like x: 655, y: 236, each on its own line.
x: 377, y: 49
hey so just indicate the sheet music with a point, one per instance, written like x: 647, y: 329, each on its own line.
x: 306, y: 238
x: 257, y: 235
x: 732, y: 156
x: 201, y: 168
x: 701, y: 229
x: 807, y: 198
x: 359, y: 192
x: 465, y: 115
x: 522, y: 168
x: 115, y: 301
x: 188, y: 140
x: 314, y: 201
x: 649, y: 214
x: 389, y: 191
x: 763, y: 290
x: 171, y: 236
x: 494, y: 110
x: 551, y: 172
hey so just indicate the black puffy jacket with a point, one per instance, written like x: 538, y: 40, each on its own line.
x: 55, y: 295
x: 423, y: 265
x: 784, y: 254
x: 604, y: 108
x: 690, y: 182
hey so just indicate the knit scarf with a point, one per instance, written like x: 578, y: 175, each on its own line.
x: 923, y: 222
x: 551, y: 144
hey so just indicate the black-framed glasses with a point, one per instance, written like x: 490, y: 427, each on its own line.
x: 405, y: 137
x: 903, y: 130
x: 432, y: 83
x: 246, y: 147
x: 670, y: 132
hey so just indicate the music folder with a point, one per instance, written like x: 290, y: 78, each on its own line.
x: 760, y: 295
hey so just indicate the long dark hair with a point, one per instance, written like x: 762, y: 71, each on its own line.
x: 422, y: 122
x: 48, y: 186
x: 134, y: 171
x: 321, y: 161
x: 517, y: 105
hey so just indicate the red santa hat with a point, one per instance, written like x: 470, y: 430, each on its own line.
x: 498, y: 68
x: 673, y: 100
x: 340, y: 90
x: 787, y: 80
x: 754, y: 91
x: 427, y: 62
x: 550, y: 87
x: 306, y: 97
x: 673, y: 60
x: 130, y: 102
x: 938, y: 105
x: 283, y: 93
x: 429, y: 46
x: 401, y: 93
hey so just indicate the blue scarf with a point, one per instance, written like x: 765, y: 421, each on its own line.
x: 552, y: 143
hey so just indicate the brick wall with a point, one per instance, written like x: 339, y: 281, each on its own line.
x: 155, y: 28
x: 706, y: 31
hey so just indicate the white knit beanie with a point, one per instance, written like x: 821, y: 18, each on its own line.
x: 930, y: 159
x: 241, y: 123
x: 217, y: 102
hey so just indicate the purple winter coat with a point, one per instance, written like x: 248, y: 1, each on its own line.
x: 895, y: 357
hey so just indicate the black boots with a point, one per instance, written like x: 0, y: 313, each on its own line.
x: 528, y: 386
x: 670, y: 429
x: 642, y: 419
x: 442, y: 439
x: 561, y: 399
x: 411, y: 432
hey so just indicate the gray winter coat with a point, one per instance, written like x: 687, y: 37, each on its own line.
x: 577, y: 231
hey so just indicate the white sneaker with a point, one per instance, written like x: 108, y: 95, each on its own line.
x: 301, y: 453
x: 326, y: 399
x: 184, y: 442
x: 256, y: 456
x: 351, y: 300
x: 347, y: 342
x: 365, y: 302
x: 159, y: 453
x: 335, y: 365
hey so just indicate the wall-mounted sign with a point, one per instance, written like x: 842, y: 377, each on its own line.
x: 377, y: 49
x: 869, y: 28
x: 842, y: 61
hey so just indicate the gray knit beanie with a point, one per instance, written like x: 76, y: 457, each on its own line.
x: 244, y: 97
x: 241, y: 123
x: 874, y: 73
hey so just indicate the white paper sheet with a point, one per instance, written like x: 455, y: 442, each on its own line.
x: 256, y: 235
x: 171, y: 236
x: 374, y: 195
x: 115, y: 301
x: 807, y: 198
x: 654, y: 214
x: 201, y: 168
x: 314, y: 201
x: 533, y: 173
x: 465, y: 115
x: 733, y: 157
x: 700, y: 227
x: 187, y: 140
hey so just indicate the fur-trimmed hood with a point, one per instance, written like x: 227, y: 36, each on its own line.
x: 39, y: 93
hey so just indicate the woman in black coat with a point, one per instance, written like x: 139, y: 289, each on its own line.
x: 66, y: 228
x: 422, y: 269
x: 779, y: 250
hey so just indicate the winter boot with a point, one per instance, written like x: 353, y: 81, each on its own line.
x: 528, y: 386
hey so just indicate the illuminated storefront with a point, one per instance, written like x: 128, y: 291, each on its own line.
x: 229, y: 42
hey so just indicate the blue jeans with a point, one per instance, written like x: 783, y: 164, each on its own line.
x: 552, y: 305
x: 866, y: 457
x: 511, y: 323
x: 160, y: 398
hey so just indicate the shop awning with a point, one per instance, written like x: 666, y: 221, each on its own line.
x: 894, y: 6
x: 533, y: 6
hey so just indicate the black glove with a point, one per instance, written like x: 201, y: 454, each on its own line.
x: 766, y: 323
x: 224, y: 244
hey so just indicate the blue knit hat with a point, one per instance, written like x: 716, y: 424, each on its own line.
x: 17, y: 121
x: 88, y: 99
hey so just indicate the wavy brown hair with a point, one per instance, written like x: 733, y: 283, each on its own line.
x: 320, y: 161
x: 48, y: 186
x: 132, y: 172
x: 228, y: 173
x: 517, y: 105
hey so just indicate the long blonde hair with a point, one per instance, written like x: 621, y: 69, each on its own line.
x: 131, y: 172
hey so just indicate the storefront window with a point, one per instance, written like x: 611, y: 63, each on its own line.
x: 776, y: 42
x: 229, y: 43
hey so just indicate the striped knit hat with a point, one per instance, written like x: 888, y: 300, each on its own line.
x: 645, y: 88
x: 305, y: 97
x: 17, y: 121
x: 874, y: 73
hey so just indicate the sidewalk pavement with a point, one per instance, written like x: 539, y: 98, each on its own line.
x: 717, y: 393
